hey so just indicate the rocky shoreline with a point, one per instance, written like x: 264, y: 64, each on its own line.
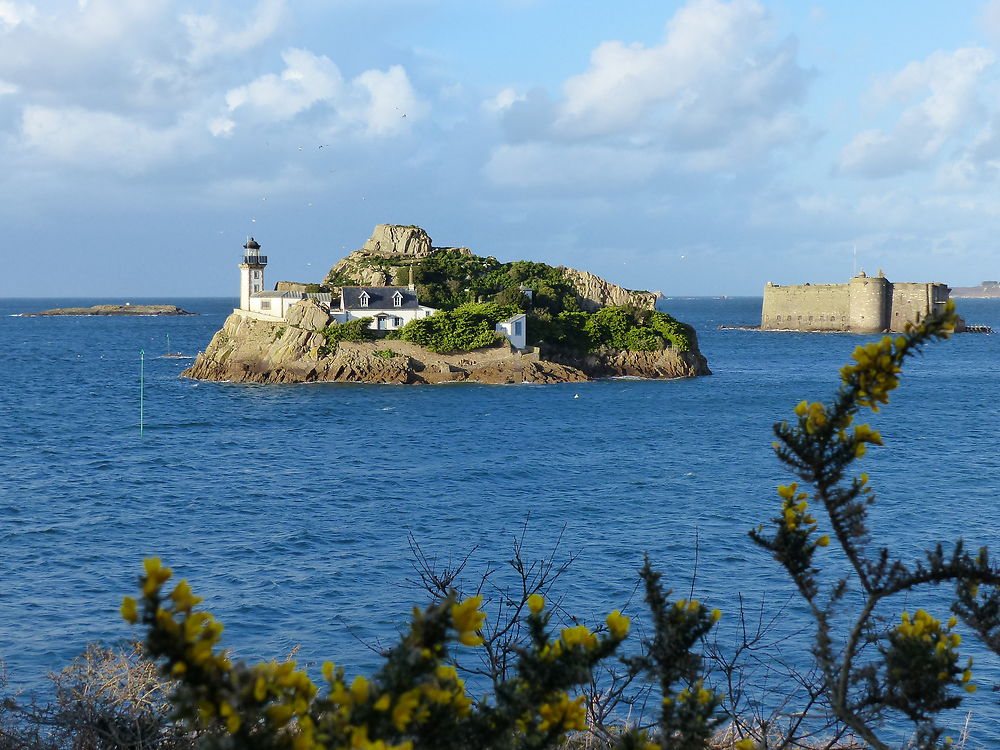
x: 250, y: 350
x: 125, y: 309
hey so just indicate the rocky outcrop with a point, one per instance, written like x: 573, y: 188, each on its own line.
x: 666, y: 363
x: 390, y: 249
x: 251, y: 350
x: 308, y: 314
x: 114, y: 310
x: 393, y: 239
x: 593, y: 292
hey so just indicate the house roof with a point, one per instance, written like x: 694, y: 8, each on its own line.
x: 318, y: 296
x: 277, y: 295
x: 379, y: 298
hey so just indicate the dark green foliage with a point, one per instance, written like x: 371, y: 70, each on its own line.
x: 512, y: 296
x: 471, y: 326
x: 450, y: 279
x: 612, y: 327
x: 352, y: 330
x: 564, y: 331
x: 689, y: 715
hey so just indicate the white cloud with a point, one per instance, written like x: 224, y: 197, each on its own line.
x: 714, y: 72
x: 7, y: 88
x: 14, y: 14
x: 389, y: 101
x: 502, y: 101
x: 100, y: 140
x: 306, y: 80
x: 221, y: 127
x: 715, y: 95
x: 379, y: 103
x: 941, y: 100
x: 211, y: 37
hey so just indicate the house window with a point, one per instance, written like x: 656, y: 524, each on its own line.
x: 363, y: 299
x: 256, y: 287
x: 397, y: 322
x: 382, y: 323
x: 256, y: 274
x: 518, y: 327
x: 397, y: 299
x: 265, y: 304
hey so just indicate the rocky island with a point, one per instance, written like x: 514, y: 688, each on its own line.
x: 125, y: 309
x: 400, y: 310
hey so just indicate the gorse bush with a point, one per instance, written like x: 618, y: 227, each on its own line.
x: 870, y: 672
x: 417, y: 701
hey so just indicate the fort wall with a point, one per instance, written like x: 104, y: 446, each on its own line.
x: 863, y: 305
x: 809, y: 307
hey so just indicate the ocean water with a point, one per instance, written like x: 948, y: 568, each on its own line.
x: 290, y: 508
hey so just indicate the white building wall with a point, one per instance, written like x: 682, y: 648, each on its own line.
x: 342, y: 316
x: 516, y: 330
x: 251, y: 280
x: 276, y: 307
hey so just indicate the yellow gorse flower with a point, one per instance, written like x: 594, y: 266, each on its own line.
x: 618, y: 624
x: 129, y: 611
x: 579, y: 635
x: 467, y: 619
x: 536, y: 603
x: 156, y: 575
x: 563, y: 714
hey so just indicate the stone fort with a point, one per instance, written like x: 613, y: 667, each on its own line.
x: 863, y: 305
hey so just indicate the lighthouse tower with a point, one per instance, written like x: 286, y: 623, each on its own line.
x: 251, y: 272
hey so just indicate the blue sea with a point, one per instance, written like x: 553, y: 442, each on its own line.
x: 291, y: 508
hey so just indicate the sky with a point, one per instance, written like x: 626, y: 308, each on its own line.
x: 703, y: 147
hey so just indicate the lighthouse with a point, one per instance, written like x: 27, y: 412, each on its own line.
x: 251, y: 272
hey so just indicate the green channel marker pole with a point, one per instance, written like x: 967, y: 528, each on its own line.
x: 142, y: 360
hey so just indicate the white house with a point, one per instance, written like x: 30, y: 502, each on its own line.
x: 515, y: 329
x: 390, y: 307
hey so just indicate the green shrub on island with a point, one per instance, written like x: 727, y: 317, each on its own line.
x: 467, y: 327
x: 448, y: 279
x: 352, y: 330
x: 632, y: 329
x: 614, y: 327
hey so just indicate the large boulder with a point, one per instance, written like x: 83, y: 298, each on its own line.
x: 308, y: 314
x: 393, y: 239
